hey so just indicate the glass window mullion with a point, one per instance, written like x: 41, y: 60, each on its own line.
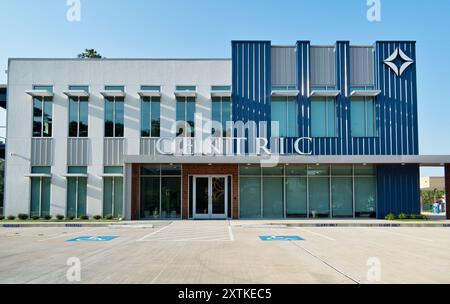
x: 76, y: 197
x: 151, y: 116
x: 114, y: 117
x: 40, y: 196
x: 42, y: 117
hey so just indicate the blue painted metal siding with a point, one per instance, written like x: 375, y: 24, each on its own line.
x: 251, y: 81
x: 398, y: 189
x: 396, y: 106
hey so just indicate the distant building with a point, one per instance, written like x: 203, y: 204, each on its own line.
x: 430, y: 183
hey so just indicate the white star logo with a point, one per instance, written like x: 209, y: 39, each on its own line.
x: 398, y: 55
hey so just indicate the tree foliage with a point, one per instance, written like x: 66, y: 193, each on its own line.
x: 89, y: 53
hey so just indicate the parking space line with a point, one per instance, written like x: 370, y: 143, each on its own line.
x: 155, y: 232
x: 399, y: 234
x: 68, y: 234
x: 318, y: 234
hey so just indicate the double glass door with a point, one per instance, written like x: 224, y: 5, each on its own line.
x: 210, y: 197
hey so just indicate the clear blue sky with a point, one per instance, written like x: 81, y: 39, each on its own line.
x: 204, y: 28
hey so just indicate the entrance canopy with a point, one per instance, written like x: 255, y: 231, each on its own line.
x: 422, y: 160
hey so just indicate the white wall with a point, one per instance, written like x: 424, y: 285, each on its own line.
x: 24, y: 73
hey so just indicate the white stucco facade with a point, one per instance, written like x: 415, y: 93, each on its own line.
x: 23, y: 74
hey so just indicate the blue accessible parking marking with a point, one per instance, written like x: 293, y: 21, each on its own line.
x: 93, y: 239
x: 281, y: 238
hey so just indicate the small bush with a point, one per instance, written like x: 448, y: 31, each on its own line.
x: 11, y: 218
x: 390, y: 217
x: 84, y: 217
x: 59, y: 217
x: 2, y: 217
x: 109, y: 217
x: 423, y: 217
x: 22, y: 216
x: 97, y: 217
x: 70, y: 217
x: 403, y: 216
x: 35, y: 217
x: 47, y: 217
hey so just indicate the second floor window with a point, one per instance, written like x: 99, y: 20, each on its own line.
x: 221, y: 113
x: 323, y: 117
x: 42, y: 114
x: 363, y: 116
x: 114, y: 115
x: 185, y: 116
x: 150, y: 113
x: 78, y: 114
x: 284, y: 112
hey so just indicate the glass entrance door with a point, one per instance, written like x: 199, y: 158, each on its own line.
x: 210, y: 197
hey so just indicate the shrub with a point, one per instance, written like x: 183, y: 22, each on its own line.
x: 2, y: 217
x: 47, y: 217
x: 109, y: 217
x: 390, y: 217
x: 11, y: 218
x: 35, y: 217
x: 97, y: 217
x: 84, y: 217
x: 59, y: 217
x: 22, y: 216
x: 70, y: 217
x: 403, y: 216
x: 423, y: 217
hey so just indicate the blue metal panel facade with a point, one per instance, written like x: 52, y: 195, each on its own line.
x: 396, y: 106
x: 398, y: 190
x: 251, y: 81
x: 396, y: 111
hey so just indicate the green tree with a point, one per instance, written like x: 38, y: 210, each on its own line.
x: 89, y: 53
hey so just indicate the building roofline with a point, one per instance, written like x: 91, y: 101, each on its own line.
x: 118, y: 59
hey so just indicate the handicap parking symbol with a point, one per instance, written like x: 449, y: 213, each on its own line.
x: 93, y: 239
x: 291, y: 238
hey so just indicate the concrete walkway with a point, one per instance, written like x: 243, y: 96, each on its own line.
x: 244, y: 223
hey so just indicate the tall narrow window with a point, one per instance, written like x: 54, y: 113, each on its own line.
x: 40, y: 192
x: 284, y: 112
x: 150, y: 114
x: 42, y: 114
x: 323, y: 117
x: 221, y: 114
x: 78, y: 113
x: 185, y: 116
x: 114, y: 113
x: 113, y: 192
x: 76, y: 192
x: 363, y: 116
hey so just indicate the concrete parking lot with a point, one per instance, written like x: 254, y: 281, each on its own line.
x: 226, y: 252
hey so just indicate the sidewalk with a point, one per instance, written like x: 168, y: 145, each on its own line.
x: 439, y: 222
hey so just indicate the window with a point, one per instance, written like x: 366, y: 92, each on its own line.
x: 42, y: 113
x: 78, y: 113
x: 150, y: 114
x: 113, y: 192
x: 221, y: 113
x: 363, y: 116
x: 284, y: 112
x: 160, y: 192
x: 323, y: 117
x: 40, y: 192
x: 114, y: 114
x: 76, y: 192
x: 323, y: 191
x: 185, y: 116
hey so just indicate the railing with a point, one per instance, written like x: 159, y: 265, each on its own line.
x: 114, y: 150
x: 42, y: 152
x: 78, y: 151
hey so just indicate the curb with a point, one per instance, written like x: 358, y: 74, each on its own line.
x: 355, y: 225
